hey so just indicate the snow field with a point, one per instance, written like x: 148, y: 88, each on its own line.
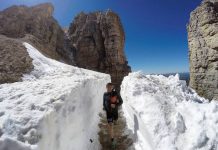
x: 165, y: 114
x: 55, y: 107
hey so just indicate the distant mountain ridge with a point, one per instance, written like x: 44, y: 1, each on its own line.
x: 182, y: 76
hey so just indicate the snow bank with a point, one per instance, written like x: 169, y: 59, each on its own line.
x: 55, y: 107
x: 165, y: 114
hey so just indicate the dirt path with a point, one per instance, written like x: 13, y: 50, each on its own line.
x: 122, y: 135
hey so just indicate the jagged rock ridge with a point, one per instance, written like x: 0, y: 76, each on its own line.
x: 203, y: 49
x: 99, y: 38
x: 93, y: 41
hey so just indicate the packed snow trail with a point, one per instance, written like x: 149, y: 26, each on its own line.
x: 123, y: 136
x: 55, y: 107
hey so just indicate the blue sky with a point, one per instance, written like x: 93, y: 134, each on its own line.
x: 156, y: 37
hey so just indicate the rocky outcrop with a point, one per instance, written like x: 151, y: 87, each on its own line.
x: 93, y: 41
x: 37, y: 26
x: 203, y: 49
x: 99, y: 38
x: 14, y: 60
x: 34, y: 25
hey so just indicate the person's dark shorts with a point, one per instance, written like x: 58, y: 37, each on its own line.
x: 112, y: 115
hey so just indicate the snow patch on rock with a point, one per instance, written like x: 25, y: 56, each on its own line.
x: 54, y: 108
x: 165, y: 114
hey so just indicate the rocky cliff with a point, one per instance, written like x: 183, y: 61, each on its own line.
x: 203, y: 49
x: 93, y: 41
x: 99, y: 38
x: 37, y: 25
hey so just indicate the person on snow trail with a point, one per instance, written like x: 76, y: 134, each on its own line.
x: 111, y: 101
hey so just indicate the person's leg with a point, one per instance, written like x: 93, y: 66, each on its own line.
x: 115, y: 116
x: 110, y: 125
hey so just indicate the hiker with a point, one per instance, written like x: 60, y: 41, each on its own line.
x: 111, y: 101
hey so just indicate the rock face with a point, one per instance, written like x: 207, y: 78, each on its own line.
x: 203, y: 49
x: 14, y: 60
x: 99, y: 38
x: 36, y: 25
x: 93, y: 41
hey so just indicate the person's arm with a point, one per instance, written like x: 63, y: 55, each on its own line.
x: 104, y: 101
x: 120, y: 100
